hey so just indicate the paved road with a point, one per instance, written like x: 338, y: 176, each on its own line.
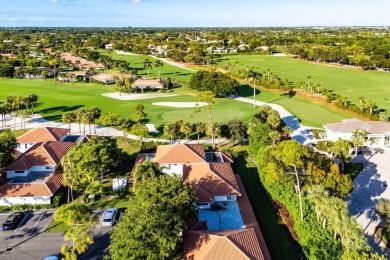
x: 302, y: 134
x: 369, y: 186
x: 30, y: 241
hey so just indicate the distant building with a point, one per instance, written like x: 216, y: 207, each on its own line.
x: 149, y: 83
x: 104, y: 78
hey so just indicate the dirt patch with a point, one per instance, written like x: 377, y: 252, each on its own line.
x: 286, y: 218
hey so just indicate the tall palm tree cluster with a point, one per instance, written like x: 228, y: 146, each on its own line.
x: 235, y: 130
x: 333, y: 213
x: 123, y: 85
x: 17, y: 106
x: 82, y: 116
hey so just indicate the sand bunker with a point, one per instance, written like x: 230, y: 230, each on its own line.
x: 123, y: 96
x: 180, y: 104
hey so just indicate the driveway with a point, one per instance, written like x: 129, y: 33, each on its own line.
x: 369, y: 186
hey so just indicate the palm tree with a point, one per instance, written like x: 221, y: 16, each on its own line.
x: 358, y: 138
x: 275, y: 136
x: 79, y: 117
x: 287, y: 130
x: 273, y: 119
x: 308, y: 82
x: 95, y: 113
x: 199, y: 128
x: 208, y: 97
x: 68, y: 118
x: 170, y: 130
x: 317, y: 194
x: 146, y: 170
x: 255, y: 76
x: 32, y: 98
x: 158, y: 64
x: 186, y: 128
x: 340, y: 149
x: 148, y: 65
x: 123, y: 67
x: 371, y: 105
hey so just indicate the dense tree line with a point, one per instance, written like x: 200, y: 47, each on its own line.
x: 216, y: 82
x: 311, y: 187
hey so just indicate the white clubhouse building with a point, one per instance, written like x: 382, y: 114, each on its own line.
x: 378, y: 132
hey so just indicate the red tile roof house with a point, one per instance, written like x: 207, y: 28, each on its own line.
x: 149, y: 83
x: 36, y: 176
x: 231, y: 230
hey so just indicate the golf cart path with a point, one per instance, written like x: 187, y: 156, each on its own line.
x: 300, y: 133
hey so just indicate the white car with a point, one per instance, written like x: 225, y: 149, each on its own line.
x: 108, y: 219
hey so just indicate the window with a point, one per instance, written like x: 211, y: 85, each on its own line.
x: 49, y: 167
x: 25, y: 146
x: 19, y: 171
x: 230, y: 197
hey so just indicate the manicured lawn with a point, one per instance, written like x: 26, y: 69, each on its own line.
x: 137, y: 62
x: 310, y: 113
x: 56, y: 227
x: 57, y: 98
x: 352, y: 83
x: 279, y: 243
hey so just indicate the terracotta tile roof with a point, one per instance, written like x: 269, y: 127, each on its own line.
x: 180, y: 153
x: 227, y: 157
x: 43, y: 134
x: 209, y: 180
x: 348, y: 126
x: 144, y: 83
x: 48, y: 153
x: 54, y: 182
x: 220, y: 245
x: 249, y: 218
x: 47, y: 188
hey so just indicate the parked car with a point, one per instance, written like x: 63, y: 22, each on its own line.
x: 359, y: 151
x: 13, y: 220
x: 109, y: 217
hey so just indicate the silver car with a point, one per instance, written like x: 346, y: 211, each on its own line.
x: 108, y: 219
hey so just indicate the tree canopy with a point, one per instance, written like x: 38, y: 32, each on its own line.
x: 153, y: 225
x: 7, y: 147
x: 216, y: 82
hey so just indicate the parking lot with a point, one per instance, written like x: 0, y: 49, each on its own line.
x: 30, y: 241
x: 371, y: 185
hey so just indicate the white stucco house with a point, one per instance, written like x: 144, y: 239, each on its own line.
x: 36, y: 176
x: 378, y: 132
x: 37, y: 135
x: 210, y: 173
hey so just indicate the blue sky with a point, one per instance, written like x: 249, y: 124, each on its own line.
x: 195, y: 13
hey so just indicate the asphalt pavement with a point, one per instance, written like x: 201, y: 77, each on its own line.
x: 30, y: 241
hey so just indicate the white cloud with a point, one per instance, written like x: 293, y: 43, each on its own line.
x: 54, y: 1
x: 136, y: 1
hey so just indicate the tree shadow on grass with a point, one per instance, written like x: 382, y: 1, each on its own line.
x: 58, y: 110
x: 247, y: 91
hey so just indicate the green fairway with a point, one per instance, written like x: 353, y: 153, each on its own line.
x: 137, y: 62
x: 57, y: 98
x: 352, y: 83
